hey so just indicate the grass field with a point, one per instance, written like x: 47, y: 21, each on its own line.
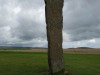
x: 35, y: 63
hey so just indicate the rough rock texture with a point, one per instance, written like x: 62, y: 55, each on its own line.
x: 54, y: 21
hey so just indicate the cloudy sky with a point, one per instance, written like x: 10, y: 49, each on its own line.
x: 22, y: 23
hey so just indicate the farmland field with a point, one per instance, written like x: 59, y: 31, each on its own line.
x: 35, y: 63
x: 74, y: 50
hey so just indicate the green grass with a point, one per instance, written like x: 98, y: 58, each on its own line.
x: 82, y: 64
x: 20, y: 63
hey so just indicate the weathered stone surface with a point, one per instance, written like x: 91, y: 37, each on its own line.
x: 54, y: 21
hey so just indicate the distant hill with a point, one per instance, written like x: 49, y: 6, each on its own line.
x: 81, y: 48
x: 85, y: 48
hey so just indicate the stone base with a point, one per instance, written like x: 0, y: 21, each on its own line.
x: 59, y: 73
x: 62, y: 72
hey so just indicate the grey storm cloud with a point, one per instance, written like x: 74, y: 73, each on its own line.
x: 27, y: 29
x: 22, y: 22
x: 82, y: 19
x: 30, y: 3
x: 30, y: 23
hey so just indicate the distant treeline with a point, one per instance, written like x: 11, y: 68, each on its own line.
x: 20, y: 48
x: 16, y: 48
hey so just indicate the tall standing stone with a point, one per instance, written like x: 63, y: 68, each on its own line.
x: 54, y: 21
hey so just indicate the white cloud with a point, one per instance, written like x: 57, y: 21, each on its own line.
x: 16, y: 10
x: 66, y: 37
x: 92, y: 41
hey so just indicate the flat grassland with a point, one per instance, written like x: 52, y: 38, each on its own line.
x: 33, y: 62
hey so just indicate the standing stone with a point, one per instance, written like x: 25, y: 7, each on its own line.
x: 54, y: 21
